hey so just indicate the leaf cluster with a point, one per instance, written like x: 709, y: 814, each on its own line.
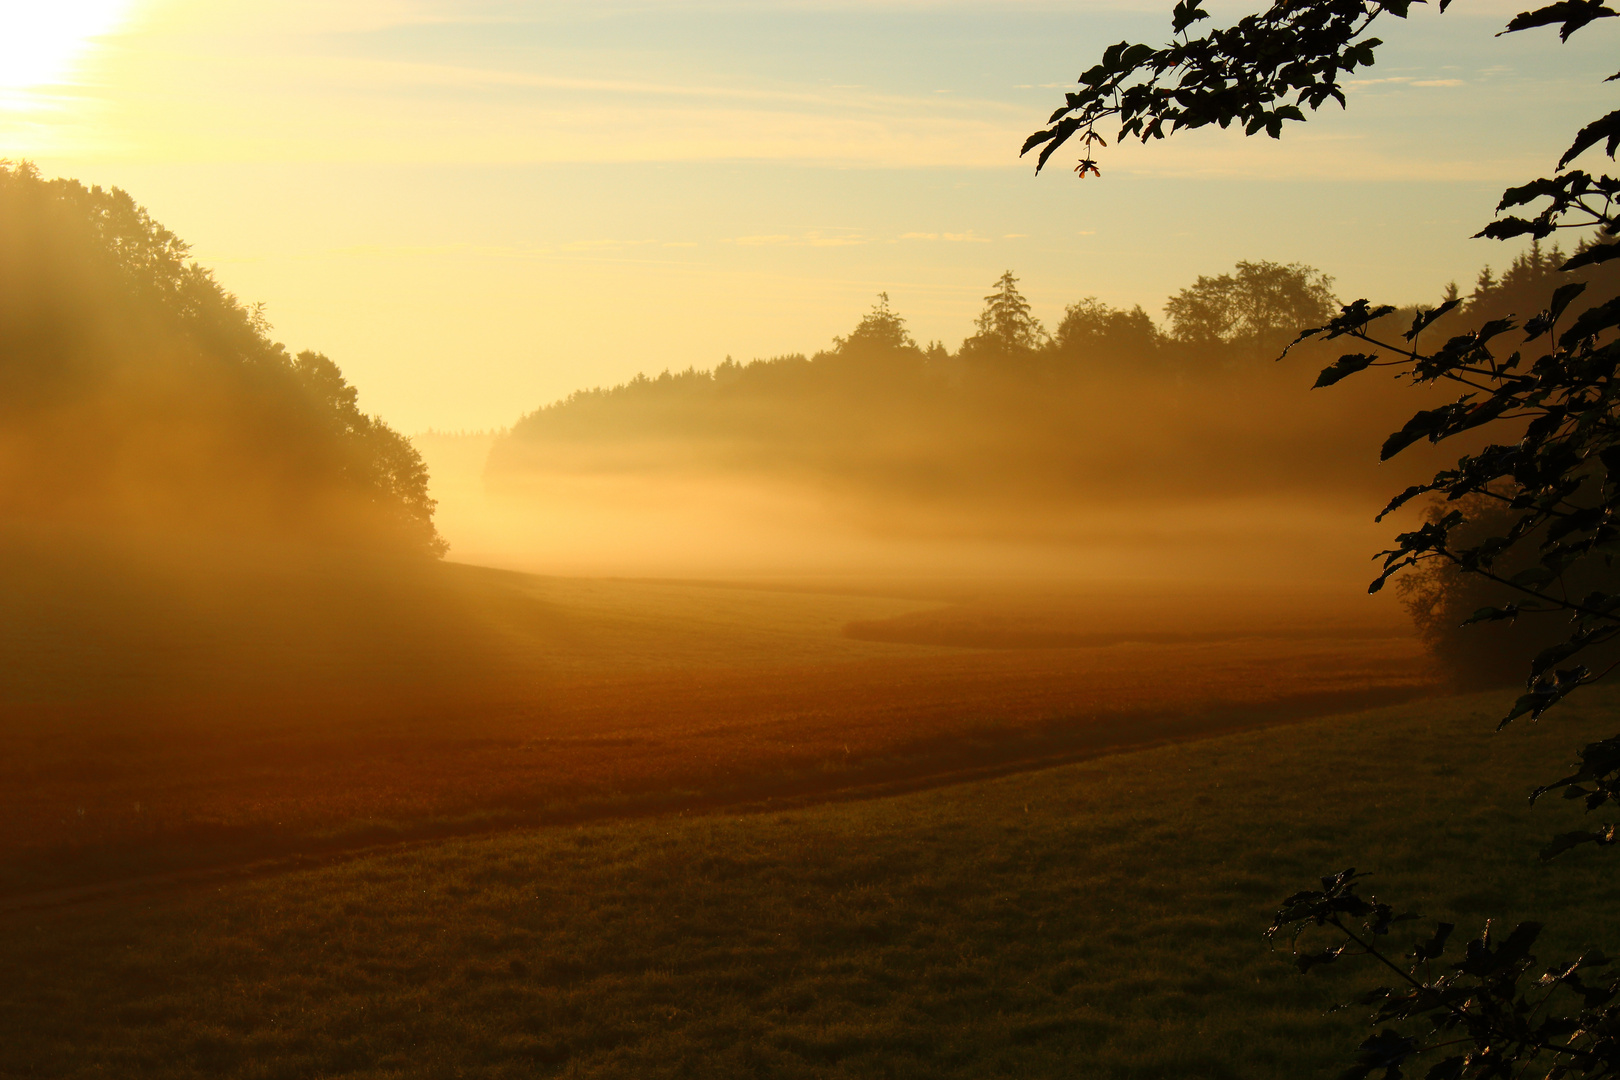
x: 1485, y: 1013
x: 1552, y: 385
x: 1264, y: 70
x: 1545, y: 390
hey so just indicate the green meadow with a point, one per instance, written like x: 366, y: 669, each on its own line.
x: 1100, y: 919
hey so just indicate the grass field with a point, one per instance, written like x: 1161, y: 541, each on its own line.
x: 1100, y: 919
x: 186, y: 716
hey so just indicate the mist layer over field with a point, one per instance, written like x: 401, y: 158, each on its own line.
x: 230, y: 633
x: 1225, y: 480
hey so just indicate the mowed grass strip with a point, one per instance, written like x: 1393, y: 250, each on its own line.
x: 1097, y: 920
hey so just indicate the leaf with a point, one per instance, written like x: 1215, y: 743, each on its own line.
x: 1402, y: 499
x: 1492, y: 329
x: 1555, y: 654
x: 1517, y: 946
x: 1374, y: 995
x: 1591, y: 256
x: 1435, y: 945
x: 1055, y: 137
x: 1425, y: 317
x: 1532, y: 577
x: 1530, y: 702
x: 1607, y: 127
x: 1306, y: 961
x: 1387, y: 1050
x: 1574, y: 14
x: 1492, y: 614
x: 1425, y: 423
x: 1136, y: 56
x: 1561, y: 299
x: 1509, y: 227
x: 1591, y: 322
x: 1186, y: 13
x: 1563, y: 842
x: 1037, y: 139
x: 1345, y: 365
x: 1540, y: 188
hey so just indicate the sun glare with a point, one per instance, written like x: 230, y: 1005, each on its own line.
x: 40, y: 43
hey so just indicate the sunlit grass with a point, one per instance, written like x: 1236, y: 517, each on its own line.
x: 1098, y: 920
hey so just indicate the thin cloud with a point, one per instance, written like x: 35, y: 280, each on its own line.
x: 1402, y: 80
x: 814, y: 238
x: 969, y: 237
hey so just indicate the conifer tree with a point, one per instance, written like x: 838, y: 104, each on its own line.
x: 1006, y: 328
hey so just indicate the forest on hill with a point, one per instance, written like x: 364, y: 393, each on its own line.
x: 139, y: 399
x: 1026, y: 420
x: 185, y: 506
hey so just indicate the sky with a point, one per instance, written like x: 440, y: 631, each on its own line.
x: 477, y: 207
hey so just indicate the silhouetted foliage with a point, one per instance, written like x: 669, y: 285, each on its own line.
x: 876, y: 417
x: 1093, y: 331
x: 1551, y: 381
x: 1256, y: 311
x: 134, y: 391
x: 1007, y: 330
x: 880, y: 331
x: 1494, y: 1012
x: 1442, y: 598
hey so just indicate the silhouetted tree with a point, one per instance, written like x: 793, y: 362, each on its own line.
x: 1092, y: 329
x: 880, y: 330
x: 1558, y: 479
x: 128, y: 375
x: 1006, y: 328
x: 1258, y: 309
x: 380, y: 463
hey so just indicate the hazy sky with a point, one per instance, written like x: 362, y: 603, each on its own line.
x: 476, y: 207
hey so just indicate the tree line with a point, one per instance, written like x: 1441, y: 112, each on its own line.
x: 1013, y: 412
x: 1251, y: 311
x: 1221, y: 322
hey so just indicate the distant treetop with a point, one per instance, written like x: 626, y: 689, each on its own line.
x: 1006, y: 327
x: 881, y: 329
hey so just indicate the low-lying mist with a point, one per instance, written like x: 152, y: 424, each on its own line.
x: 1110, y: 453
x: 736, y: 524
x: 1221, y: 479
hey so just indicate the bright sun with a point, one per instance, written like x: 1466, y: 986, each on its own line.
x: 40, y: 40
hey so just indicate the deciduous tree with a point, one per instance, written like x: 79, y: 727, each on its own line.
x: 1092, y: 329
x: 1548, y: 378
x: 1258, y: 308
